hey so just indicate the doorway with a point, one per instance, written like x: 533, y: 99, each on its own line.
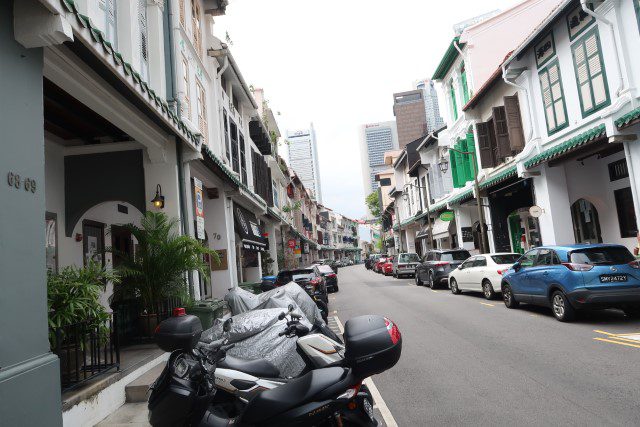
x: 122, y: 244
x: 93, y: 242
x: 586, y: 224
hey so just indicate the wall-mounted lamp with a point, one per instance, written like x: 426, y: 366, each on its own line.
x: 158, y: 201
x: 443, y: 165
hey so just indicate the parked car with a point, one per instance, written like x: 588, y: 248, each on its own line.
x: 437, y: 264
x: 377, y: 267
x: 330, y: 277
x: 371, y: 260
x: 575, y: 277
x: 405, y: 264
x: 387, y: 267
x: 482, y: 273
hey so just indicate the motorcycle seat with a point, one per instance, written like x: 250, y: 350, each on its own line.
x: 296, y: 392
x: 257, y: 367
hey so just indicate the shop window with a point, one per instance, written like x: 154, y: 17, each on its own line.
x: 618, y: 170
x: 590, y: 73
x: 626, y: 213
x: 555, y: 108
x: 464, y: 87
x: 144, y: 39
x: 110, y: 28
x: 586, y: 224
x: 454, y: 104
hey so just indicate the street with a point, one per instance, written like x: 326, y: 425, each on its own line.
x: 469, y: 361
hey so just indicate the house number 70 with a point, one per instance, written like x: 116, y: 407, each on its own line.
x: 14, y: 180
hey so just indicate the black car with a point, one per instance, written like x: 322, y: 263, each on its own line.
x: 330, y: 277
x: 437, y: 264
x: 371, y: 261
x: 308, y: 278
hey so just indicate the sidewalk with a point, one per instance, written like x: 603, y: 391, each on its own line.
x: 129, y: 414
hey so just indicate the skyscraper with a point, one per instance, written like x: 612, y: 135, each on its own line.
x: 303, y: 159
x: 375, y: 140
x: 432, y: 111
x: 411, y: 120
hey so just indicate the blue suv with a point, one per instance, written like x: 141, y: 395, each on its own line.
x: 569, y: 278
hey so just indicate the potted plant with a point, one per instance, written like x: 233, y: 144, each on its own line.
x: 73, y: 299
x: 157, y: 270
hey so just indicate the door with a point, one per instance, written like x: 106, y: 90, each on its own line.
x: 122, y: 244
x: 93, y: 242
x: 477, y: 273
x: 542, y: 273
x: 520, y: 280
x: 463, y: 274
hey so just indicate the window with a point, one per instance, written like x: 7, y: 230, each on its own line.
x: 202, y: 112
x: 505, y: 259
x: 195, y: 23
x: 454, y: 105
x: 528, y: 259
x: 590, y: 74
x: 586, y: 225
x: 186, y: 105
x: 276, y: 194
x: 181, y: 6
x: 109, y: 9
x: 464, y: 88
x: 480, y: 261
x: 235, y: 161
x: 553, y: 98
x: 144, y: 41
x: 455, y: 256
x: 602, y: 256
x: 225, y: 124
x: 547, y: 257
x: 243, y: 160
x: 626, y: 213
x: 618, y: 170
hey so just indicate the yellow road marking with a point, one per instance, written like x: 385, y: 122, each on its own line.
x: 437, y: 292
x: 622, y: 338
x: 616, y: 342
x: 604, y: 333
x: 488, y: 305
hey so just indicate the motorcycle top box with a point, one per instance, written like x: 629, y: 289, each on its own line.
x: 373, y: 344
x: 180, y: 332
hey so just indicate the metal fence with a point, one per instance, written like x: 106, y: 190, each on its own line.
x: 135, y: 326
x: 86, y: 350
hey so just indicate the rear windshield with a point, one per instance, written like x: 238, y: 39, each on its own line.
x: 602, y: 256
x: 505, y: 259
x: 325, y: 269
x: 455, y: 256
x: 409, y: 258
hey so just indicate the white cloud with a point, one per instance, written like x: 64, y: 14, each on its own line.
x: 337, y: 64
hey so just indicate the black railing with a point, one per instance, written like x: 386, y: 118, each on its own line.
x: 86, y: 350
x: 136, y: 325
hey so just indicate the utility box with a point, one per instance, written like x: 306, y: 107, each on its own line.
x: 207, y: 311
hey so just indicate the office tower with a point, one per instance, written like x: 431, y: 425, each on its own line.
x: 375, y: 140
x: 432, y: 111
x: 303, y: 159
x: 411, y: 120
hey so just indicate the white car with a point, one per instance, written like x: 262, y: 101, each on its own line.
x: 482, y: 273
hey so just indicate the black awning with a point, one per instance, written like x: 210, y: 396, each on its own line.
x: 248, y: 228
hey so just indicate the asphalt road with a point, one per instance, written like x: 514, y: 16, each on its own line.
x: 469, y: 361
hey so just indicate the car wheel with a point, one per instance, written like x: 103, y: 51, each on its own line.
x: 335, y: 288
x: 632, y: 312
x: 418, y: 281
x: 454, y: 287
x: 562, y: 309
x: 432, y: 283
x: 487, y: 290
x: 508, y: 298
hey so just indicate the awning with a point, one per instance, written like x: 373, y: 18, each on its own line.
x: 441, y: 229
x: 247, y: 226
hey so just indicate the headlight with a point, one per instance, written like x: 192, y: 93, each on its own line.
x: 180, y: 367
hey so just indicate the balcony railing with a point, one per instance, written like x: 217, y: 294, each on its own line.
x: 86, y: 350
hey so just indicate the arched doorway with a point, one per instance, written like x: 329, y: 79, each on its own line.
x: 524, y: 230
x: 586, y: 224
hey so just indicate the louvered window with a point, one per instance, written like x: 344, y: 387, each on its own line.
x: 243, y: 160
x: 181, y: 6
x: 202, y: 112
x: 555, y: 109
x: 110, y: 28
x: 144, y: 39
x: 464, y: 87
x: 195, y: 23
x: 454, y: 104
x: 186, y: 104
x: 235, y: 161
x: 590, y: 73
x: 225, y: 124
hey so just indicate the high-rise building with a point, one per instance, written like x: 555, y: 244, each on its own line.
x: 375, y: 140
x: 303, y: 159
x: 432, y: 111
x: 411, y: 120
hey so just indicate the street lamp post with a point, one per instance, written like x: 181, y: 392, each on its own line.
x: 444, y: 166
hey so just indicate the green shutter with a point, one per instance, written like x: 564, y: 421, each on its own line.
x: 591, y: 77
x: 454, y: 169
x: 471, y: 147
x: 454, y: 104
x: 465, y: 87
x: 555, y: 109
x: 462, y: 166
x: 466, y: 168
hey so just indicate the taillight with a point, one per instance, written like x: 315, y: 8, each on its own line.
x: 577, y: 267
x: 351, y: 392
x: 179, y: 311
x: 331, y: 276
x: 504, y: 270
x: 635, y: 264
x: 442, y: 263
x: 393, y: 330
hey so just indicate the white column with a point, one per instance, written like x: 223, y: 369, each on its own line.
x: 463, y: 219
x: 552, y: 196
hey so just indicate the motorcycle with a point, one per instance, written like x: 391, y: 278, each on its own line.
x: 184, y: 393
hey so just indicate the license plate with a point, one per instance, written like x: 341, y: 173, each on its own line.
x: 368, y: 408
x: 613, y: 278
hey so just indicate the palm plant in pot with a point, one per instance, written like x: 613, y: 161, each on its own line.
x: 75, y: 311
x: 156, y: 272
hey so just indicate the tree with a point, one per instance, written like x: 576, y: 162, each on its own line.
x: 373, y: 204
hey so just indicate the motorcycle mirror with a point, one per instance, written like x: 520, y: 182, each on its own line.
x: 281, y: 316
x: 296, y: 316
x: 226, y: 326
x: 290, y: 307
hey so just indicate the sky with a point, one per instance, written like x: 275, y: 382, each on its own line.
x: 337, y: 64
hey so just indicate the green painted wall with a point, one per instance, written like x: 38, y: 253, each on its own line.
x: 29, y: 374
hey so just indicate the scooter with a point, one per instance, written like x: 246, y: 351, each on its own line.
x: 184, y: 393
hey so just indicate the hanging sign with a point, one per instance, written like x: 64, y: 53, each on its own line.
x: 199, y: 208
x: 447, y: 216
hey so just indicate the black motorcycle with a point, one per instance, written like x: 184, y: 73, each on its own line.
x: 184, y: 393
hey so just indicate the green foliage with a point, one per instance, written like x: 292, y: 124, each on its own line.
x: 373, y: 204
x: 295, y: 206
x: 158, y: 269
x: 73, y: 297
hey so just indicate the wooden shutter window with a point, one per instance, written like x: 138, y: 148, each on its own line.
x: 202, y: 113
x: 195, y: 23
x: 484, y: 142
x: 514, y: 123
x: 502, y: 133
x: 181, y: 6
x: 472, y: 158
x: 590, y: 73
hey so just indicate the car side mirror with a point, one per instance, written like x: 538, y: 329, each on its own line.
x: 517, y: 266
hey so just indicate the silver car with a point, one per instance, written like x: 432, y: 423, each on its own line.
x: 405, y: 264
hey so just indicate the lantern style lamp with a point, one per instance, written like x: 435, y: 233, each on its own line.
x: 443, y: 165
x: 158, y: 200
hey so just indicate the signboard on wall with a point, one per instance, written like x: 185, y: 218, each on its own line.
x: 222, y: 254
x: 467, y: 234
x: 198, y: 208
